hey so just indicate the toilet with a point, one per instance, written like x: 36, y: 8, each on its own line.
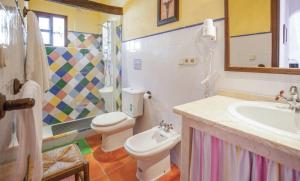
x: 151, y: 149
x: 117, y: 127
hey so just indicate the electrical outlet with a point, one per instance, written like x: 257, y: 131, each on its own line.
x: 193, y: 61
x: 188, y: 61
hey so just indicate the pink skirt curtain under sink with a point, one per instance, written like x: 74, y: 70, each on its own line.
x: 215, y: 160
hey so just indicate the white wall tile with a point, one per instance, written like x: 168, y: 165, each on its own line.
x: 173, y: 85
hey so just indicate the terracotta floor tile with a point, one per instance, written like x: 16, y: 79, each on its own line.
x: 109, y: 167
x: 94, y: 167
x: 125, y: 173
x: 104, y: 178
x: 94, y: 141
x: 116, y: 165
x: 173, y: 175
x: 110, y: 156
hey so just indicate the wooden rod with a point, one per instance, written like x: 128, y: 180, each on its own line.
x: 9, y: 105
x: 18, y: 104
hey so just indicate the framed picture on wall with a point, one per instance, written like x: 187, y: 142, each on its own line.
x: 167, y: 11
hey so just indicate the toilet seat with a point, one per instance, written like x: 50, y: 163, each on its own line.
x: 111, y: 123
x: 109, y: 119
x: 115, y: 127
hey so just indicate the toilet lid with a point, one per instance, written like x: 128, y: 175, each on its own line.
x: 109, y: 119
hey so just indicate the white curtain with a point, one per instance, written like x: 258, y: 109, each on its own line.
x: 14, y: 60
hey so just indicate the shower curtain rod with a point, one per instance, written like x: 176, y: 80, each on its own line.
x: 21, y: 14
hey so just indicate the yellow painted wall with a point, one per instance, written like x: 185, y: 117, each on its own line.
x: 78, y: 19
x: 249, y: 16
x: 140, y: 16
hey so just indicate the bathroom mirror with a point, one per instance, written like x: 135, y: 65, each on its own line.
x: 262, y: 36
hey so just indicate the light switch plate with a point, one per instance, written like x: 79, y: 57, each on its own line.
x: 252, y: 58
x: 137, y: 64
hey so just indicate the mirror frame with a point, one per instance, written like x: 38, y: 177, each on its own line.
x: 275, y: 30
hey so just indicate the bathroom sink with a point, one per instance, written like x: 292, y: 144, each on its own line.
x: 274, y: 117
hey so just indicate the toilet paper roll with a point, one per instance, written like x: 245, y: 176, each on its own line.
x: 148, y: 95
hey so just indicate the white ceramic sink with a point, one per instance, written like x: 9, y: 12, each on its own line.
x: 273, y: 117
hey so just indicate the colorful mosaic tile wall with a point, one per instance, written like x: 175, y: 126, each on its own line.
x: 77, y: 75
x: 84, y: 40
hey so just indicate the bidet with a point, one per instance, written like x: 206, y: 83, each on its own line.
x: 152, y: 151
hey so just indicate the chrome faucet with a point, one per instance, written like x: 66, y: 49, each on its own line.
x: 165, y: 126
x: 162, y: 124
x: 293, y: 100
x: 168, y: 127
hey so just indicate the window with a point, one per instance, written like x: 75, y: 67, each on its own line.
x: 53, y: 28
x: 4, y: 27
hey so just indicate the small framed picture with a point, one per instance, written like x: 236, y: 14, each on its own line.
x: 167, y: 11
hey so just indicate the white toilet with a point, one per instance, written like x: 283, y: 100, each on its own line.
x: 117, y: 127
x: 152, y: 151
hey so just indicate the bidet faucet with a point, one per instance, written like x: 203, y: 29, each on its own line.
x: 165, y: 126
x: 168, y: 127
x: 293, y: 100
x: 162, y: 124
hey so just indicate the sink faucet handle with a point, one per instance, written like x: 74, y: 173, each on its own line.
x: 280, y: 95
x: 162, y: 124
x: 168, y: 127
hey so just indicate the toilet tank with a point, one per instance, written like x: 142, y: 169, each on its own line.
x: 132, y: 102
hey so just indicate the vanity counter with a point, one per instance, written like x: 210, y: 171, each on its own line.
x: 210, y: 115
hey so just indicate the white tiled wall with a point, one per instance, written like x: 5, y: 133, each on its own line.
x: 244, y: 48
x: 173, y: 85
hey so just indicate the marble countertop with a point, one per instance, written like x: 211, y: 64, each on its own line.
x: 213, y: 111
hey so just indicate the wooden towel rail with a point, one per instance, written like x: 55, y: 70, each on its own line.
x: 10, y: 105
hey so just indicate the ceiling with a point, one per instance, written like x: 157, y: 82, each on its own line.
x: 119, y: 3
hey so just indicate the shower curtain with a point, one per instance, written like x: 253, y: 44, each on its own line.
x: 215, y: 160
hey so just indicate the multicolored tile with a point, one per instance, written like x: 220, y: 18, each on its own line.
x: 84, y: 40
x: 118, y: 69
x: 75, y: 73
x: 84, y: 147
